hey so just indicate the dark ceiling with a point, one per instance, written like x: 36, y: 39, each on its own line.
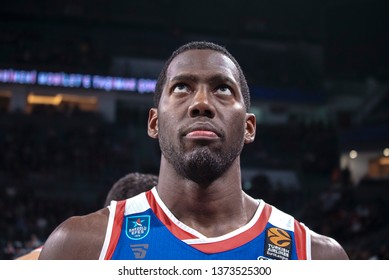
x: 352, y: 35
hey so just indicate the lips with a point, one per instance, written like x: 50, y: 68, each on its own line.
x: 202, y: 131
x: 202, y: 134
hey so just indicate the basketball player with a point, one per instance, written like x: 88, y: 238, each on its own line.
x: 198, y: 209
x: 127, y: 186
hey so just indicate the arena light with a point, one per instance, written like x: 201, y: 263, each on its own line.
x: 353, y: 154
x: 384, y: 161
x: 44, y: 99
x: 59, y: 98
x: 91, y: 100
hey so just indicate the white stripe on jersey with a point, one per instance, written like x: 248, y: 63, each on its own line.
x: 111, y: 218
x: 281, y: 219
x: 138, y: 204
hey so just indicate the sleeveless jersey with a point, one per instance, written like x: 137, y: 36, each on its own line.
x: 142, y: 227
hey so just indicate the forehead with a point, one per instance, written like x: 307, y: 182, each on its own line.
x: 202, y: 62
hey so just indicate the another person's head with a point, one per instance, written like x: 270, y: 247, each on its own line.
x: 131, y: 185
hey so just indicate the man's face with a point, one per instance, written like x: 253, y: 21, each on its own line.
x: 201, y: 121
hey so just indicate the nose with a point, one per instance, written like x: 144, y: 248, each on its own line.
x: 201, y: 105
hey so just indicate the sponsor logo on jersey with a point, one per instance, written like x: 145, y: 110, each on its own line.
x: 278, y: 244
x: 139, y: 250
x: 137, y: 227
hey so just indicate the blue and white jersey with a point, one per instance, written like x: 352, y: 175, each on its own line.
x: 142, y: 227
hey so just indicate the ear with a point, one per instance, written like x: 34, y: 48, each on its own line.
x: 251, y: 127
x: 152, y: 124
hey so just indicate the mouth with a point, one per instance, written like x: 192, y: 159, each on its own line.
x: 202, y: 131
x: 201, y: 134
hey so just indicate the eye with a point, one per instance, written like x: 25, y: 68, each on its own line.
x: 180, y: 88
x: 223, y: 90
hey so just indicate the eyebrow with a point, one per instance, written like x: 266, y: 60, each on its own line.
x: 216, y: 78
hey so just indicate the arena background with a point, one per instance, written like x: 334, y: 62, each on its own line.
x: 76, y: 81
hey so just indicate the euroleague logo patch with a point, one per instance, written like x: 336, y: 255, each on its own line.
x: 278, y: 244
x: 137, y: 227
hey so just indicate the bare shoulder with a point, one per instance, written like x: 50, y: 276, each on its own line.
x: 326, y: 248
x: 77, y: 238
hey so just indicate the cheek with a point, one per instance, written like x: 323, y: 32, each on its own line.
x: 235, y: 115
x: 238, y: 125
x: 171, y: 109
x: 240, y: 130
x: 167, y: 122
x: 239, y: 106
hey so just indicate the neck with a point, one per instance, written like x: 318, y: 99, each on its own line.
x: 213, y: 209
